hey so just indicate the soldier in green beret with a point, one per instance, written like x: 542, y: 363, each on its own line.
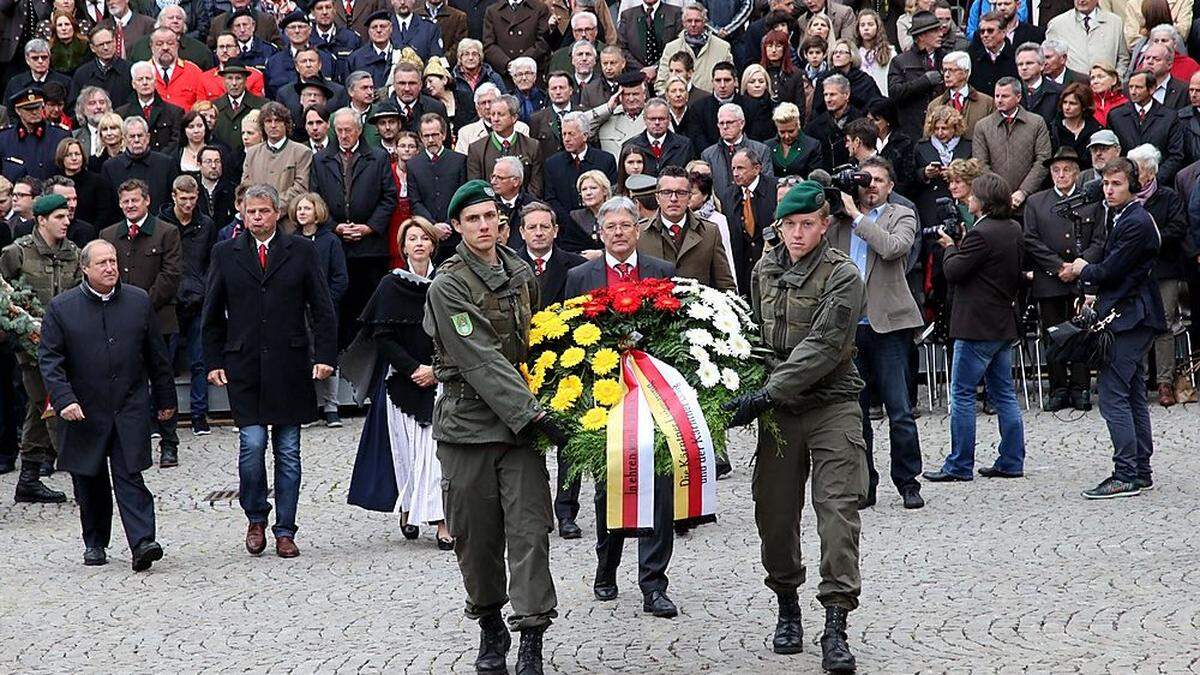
x: 49, y: 263
x: 496, y: 487
x: 808, y: 297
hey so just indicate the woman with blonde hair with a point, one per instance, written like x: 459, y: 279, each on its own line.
x: 1106, y: 90
x: 944, y: 143
x: 582, y: 234
x: 758, y: 100
x: 111, y: 128
x: 397, y: 468
x: 875, y: 52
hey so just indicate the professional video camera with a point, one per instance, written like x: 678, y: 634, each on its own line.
x: 948, y: 222
x: 848, y: 178
x: 1091, y: 193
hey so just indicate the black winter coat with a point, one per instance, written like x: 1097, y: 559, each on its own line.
x: 196, y: 240
x: 371, y: 198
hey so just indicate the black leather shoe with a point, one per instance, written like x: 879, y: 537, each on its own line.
x: 993, y: 472
x: 912, y: 498
x: 529, y: 653
x: 1059, y: 400
x: 410, y: 531
x: 868, y: 501
x: 93, y: 557
x: 31, y: 490
x: 1081, y: 400
x: 835, y: 652
x: 145, y: 555
x: 567, y: 529
x: 789, y: 633
x: 494, y: 643
x: 943, y: 477
x: 605, y: 592
x: 168, y: 457
x: 658, y: 604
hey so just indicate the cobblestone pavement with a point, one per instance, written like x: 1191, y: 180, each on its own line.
x: 1001, y: 575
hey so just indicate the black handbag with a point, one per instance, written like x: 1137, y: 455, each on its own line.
x: 1082, y: 339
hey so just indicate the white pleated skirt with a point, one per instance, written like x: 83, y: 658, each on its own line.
x: 418, y: 472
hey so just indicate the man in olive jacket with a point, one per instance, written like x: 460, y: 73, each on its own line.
x: 496, y: 487
x: 809, y: 297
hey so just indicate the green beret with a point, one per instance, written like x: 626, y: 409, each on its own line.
x: 805, y: 197
x: 472, y: 192
x: 47, y: 204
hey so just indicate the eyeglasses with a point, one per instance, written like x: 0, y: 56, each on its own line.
x: 676, y: 194
x: 22, y: 194
x: 989, y: 31
x: 38, y: 57
x: 619, y: 227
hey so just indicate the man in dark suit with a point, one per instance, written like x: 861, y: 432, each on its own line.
x: 433, y: 176
x: 451, y: 23
x: 1055, y: 55
x: 248, y: 28
x: 1016, y: 31
x: 1041, y: 94
x: 357, y: 183
x: 139, y: 161
x: 216, y: 189
x: 619, y: 231
x: 829, y: 127
x: 128, y: 26
x: 545, y: 126
x: 505, y: 141
x: 665, y: 146
x: 1144, y: 120
x: 1189, y: 119
x: 602, y: 88
x: 915, y: 77
x: 704, y: 111
x: 262, y: 29
x: 100, y: 349
x: 334, y: 37
x: 563, y: 169
x: 992, y: 56
x: 410, y: 30
x: 753, y: 211
x: 234, y: 105
x: 37, y: 58
x: 508, y: 182
x: 1123, y: 282
x: 161, y: 117
x: 644, y: 29
x: 1167, y: 90
x: 107, y: 71
x: 376, y: 55
x: 550, y: 264
x: 406, y: 94
x: 150, y: 253
x: 281, y: 66
x: 515, y: 28
x: 266, y: 296
x: 360, y: 13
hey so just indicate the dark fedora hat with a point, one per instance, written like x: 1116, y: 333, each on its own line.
x: 923, y: 22
x: 1064, y: 154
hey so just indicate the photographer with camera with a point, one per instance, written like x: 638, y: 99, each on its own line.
x: 1054, y: 235
x: 878, y: 236
x: 984, y: 270
x: 1127, y: 298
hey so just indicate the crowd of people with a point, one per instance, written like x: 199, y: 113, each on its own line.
x: 300, y: 186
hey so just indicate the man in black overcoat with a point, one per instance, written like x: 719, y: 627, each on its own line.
x: 262, y: 285
x: 100, y: 347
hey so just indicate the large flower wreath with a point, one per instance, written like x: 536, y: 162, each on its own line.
x: 638, y: 372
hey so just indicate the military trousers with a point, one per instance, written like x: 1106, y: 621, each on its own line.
x: 39, y: 437
x: 825, y: 443
x: 497, y: 497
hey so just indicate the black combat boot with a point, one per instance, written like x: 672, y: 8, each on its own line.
x: 835, y: 653
x: 494, y: 642
x: 30, y: 488
x: 529, y: 654
x: 789, y: 634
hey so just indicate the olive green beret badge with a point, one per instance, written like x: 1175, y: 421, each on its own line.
x: 462, y: 324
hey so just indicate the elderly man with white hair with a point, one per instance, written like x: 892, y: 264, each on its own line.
x: 972, y: 103
x: 140, y: 161
x: 179, y: 81
x: 530, y: 98
x: 1158, y: 59
x: 584, y: 29
x: 1054, y: 56
x: 37, y: 58
x: 731, y: 122
x: 176, y: 17
x: 147, y: 102
x: 706, y: 49
x: 485, y: 95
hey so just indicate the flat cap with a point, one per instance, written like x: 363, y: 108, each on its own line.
x: 472, y: 192
x: 26, y: 97
x: 631, y: 78
x: 641, y: 185
x: 1104, y: 137
x: 47, y: 204
x: 804, y: 197
x: 384, y: 110
x: 291, y: 18
x: 232, y: 68
x: 381, y: 15
x: 245, y: 11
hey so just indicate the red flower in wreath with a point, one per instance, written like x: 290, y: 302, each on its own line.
x: 626, y: 301
x: 666, y: 303
x: 594, y: 308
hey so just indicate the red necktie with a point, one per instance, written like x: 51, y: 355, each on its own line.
x: 575, y: 161
x: 506, y: 145
x: 146, y: 112
x: 539, y: 266
x: 958, y: 103
x: 623, y: 270
x: 120, y: 39
x: 675, y: 230
x: 133, y: 230
x: 349, y: 8
x: 433, y: 156
x: 262, y: 256
x: 1142, y: 116
x: 656, y: 148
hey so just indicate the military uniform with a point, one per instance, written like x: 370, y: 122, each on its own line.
x: 30, y: 152
x: 495, y: 483
x: 48, y: 271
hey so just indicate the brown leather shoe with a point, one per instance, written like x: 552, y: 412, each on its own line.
x: 285, y: 547
x: 256, y: 538
x: 1166, y: 395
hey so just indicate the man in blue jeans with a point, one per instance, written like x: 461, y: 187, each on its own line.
x: 878, y: 235
x: 256, y: 341
x: 984, y: 273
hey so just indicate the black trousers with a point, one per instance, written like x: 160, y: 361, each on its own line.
x: 95, y: 498
x: 566, y: 498
x: 1054, y: 311
x: 169, y: 429
x: 654, y: 551
x: 12, y: 406
x: 362, y: 276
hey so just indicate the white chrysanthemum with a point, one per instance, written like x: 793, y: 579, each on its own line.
x: 700, y: 311
x: 699, y: 336
x: 699, y: 354
x: 730, y: 379
x: 727, y: 322
x: 709, y: 374
x: 722, y: 348
x: 739, y: 347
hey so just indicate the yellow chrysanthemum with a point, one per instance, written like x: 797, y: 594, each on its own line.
x: 576, y: 301
x: 586, y: 334
x: 570, y: 313
x: 560, y: 403
x: 571, y: 357
x: 605, y: 361
x: 543, y: 317
x: 536, y: 381
x: 571, y: 384
x: 555, y: 328
x: 535, y: 336
x: 545, y: 361
x: 553, y: 307
x: 594, y: 419
x: 607, y: 392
